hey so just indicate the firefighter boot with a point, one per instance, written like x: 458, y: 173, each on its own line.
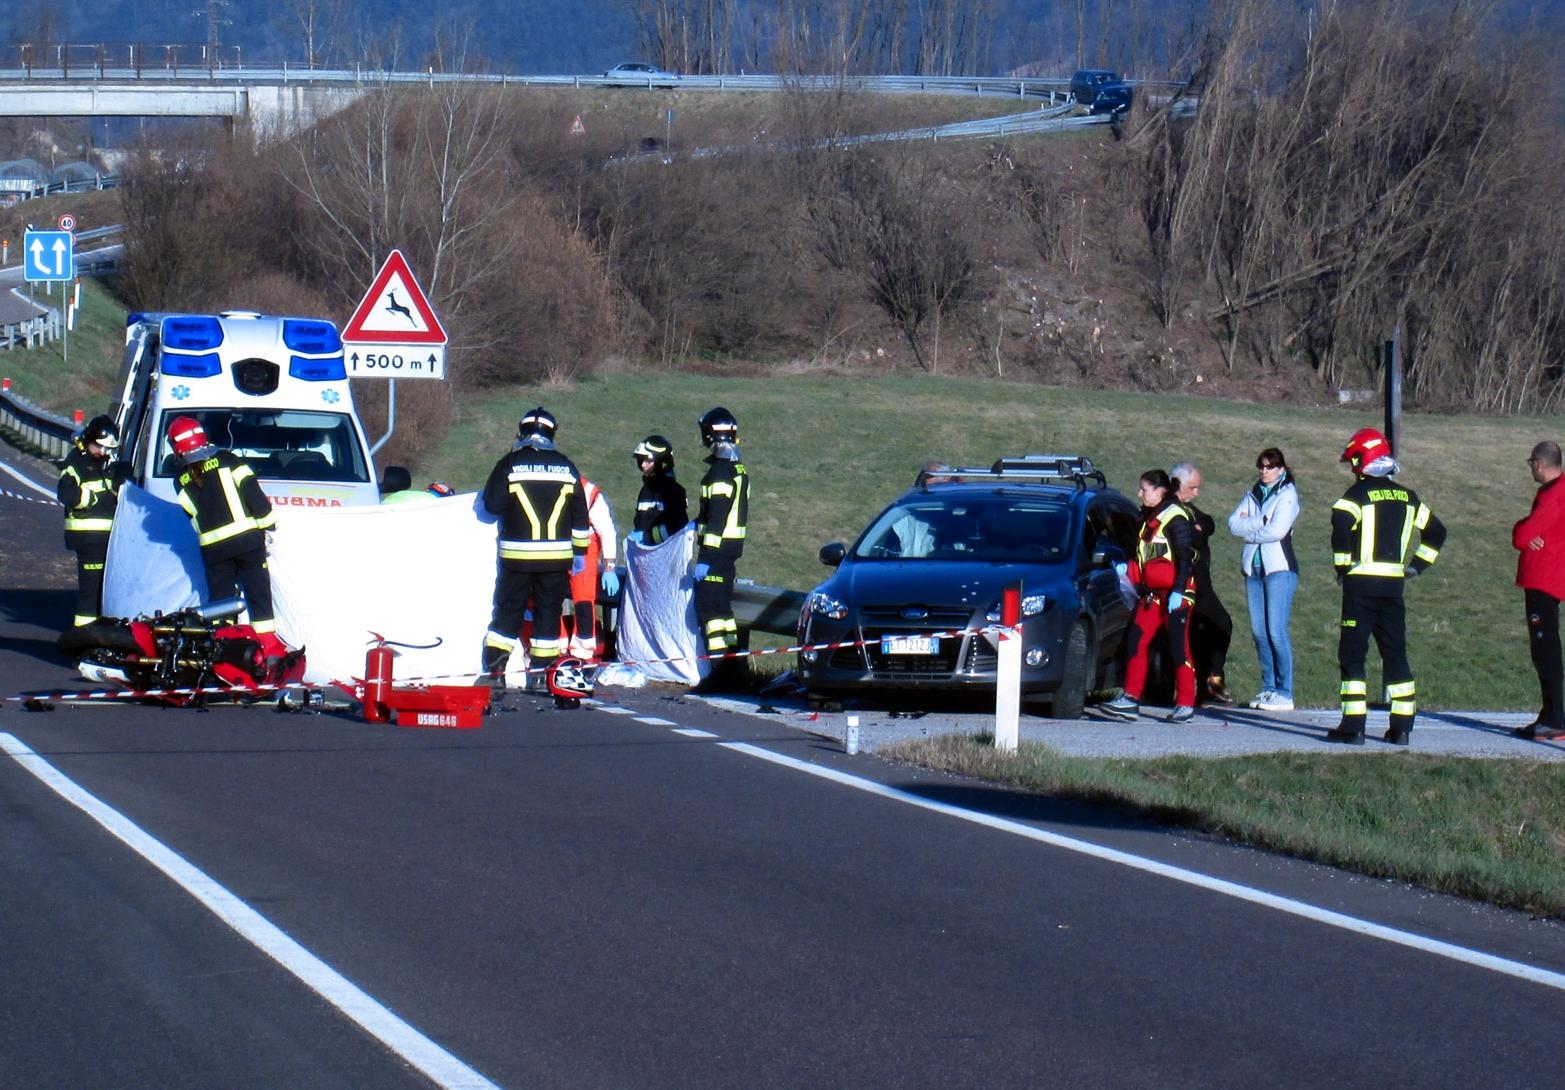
x: 1349, y: 732
x: 494, y: 662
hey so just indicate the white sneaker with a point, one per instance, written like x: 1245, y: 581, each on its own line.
x: 1275, y: 703
x: 1261, y: 698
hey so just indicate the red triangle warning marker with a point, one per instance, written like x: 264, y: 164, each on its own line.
x: 395, y: 310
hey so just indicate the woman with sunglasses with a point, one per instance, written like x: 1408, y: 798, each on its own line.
x: 1264, y: 521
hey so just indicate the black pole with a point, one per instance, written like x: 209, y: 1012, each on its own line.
x: 1394, y: 389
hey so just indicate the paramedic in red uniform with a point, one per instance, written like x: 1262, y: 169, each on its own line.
x: 1163, y: 571
x: 602, y: 545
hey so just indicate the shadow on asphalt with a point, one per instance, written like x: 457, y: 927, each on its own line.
x: 1015, y: 805
x: 51, y: 609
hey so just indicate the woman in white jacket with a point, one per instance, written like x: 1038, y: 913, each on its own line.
x: 1264, y: 521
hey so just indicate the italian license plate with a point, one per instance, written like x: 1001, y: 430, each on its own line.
x: 909, y: 645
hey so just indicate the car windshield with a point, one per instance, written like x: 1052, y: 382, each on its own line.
x: 280, y: 445
x: 992, y: 529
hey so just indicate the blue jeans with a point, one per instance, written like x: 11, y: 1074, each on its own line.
x: 1270, y: 599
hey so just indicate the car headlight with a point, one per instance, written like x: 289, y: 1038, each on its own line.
x: 825, y: 605
x: 1032, y: 604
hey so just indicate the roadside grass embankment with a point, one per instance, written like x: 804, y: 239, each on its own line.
x: 1490, y: 830
x: 85, y: 381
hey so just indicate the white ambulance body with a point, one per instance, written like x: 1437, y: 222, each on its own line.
x: 273, y: 390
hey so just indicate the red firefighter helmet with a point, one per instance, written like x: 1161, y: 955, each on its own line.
x: 186, y: 436
x: 1366, y: 445
x: 569, y: 678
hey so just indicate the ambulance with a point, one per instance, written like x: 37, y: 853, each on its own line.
x: 274, y: 390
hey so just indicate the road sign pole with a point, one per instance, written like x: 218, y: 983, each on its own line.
x: 391, y: 415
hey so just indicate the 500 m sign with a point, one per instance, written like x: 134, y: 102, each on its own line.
x: 395, y: 361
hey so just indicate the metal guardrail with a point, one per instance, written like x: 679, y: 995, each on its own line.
x: 34, y: 429
x: 767, y: 609
x: 103, y: 181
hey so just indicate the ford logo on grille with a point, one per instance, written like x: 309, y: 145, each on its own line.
x: 914, y: 613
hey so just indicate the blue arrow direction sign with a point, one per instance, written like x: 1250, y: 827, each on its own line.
x: 48, y: 255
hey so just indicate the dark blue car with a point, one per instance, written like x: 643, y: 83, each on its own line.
x: 938, y: 560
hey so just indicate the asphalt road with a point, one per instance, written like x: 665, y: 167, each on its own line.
x: 660, y: 892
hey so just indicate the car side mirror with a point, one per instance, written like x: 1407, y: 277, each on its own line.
x: 831, y: 555
x: 1107, y: 555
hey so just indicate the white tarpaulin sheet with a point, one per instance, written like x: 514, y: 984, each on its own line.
x: 415, y: 573
x: 657, y: 625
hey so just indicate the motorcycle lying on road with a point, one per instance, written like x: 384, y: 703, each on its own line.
x: 183, y: 657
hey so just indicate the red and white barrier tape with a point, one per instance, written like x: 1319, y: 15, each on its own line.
x: 8, y: 494
x: 260, y: 690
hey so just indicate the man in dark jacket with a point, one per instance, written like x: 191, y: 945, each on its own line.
x: 1211, y: 628
x: 89, y: 491
x: 542, y: 541
x: 1540, y: 572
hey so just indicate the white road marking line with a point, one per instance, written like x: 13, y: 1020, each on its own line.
x: 654, y: 721
x: 28, y: 481
x: 612, y: 709
x: 440, y: 1066
x: 691, y: 732
x: 1326, y: 916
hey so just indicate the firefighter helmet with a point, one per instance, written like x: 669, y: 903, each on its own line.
x: 539, y: 421
x: 187, y: 436
x: 1366, y: 445
x: 718, y: 425
x: 657, y: 450
x: 569, y: 678
x: 101, y: 430
x: 440, y: 488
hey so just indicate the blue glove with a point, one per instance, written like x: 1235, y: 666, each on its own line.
x: 698, y: 572
x: 638, y: 536
x: 1176, y: 602
x: 578, y: 564
x: 1411, y: 572
x: 611, y: 583
x: 1122, y: 569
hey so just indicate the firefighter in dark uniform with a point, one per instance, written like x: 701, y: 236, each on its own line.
x: 662, y: 508
x: 720, y: 532
x: 543, y: 534
x: 89, y: 491
x: 1371, y: 527
x: 231, y: 515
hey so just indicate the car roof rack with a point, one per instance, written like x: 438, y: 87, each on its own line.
x: 1076, y: 468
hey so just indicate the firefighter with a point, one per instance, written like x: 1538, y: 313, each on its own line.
x: 602, y: 545
x: 89, y: 491
x: 1211, y: 628
x: 720, y: 532
x: 231, y: 515
x: 542, y: 541
x: 1371, y: 527
x: 661, y: 508
x: 1163, y: 572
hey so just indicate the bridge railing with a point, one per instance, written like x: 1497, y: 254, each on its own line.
x: 138, y: 68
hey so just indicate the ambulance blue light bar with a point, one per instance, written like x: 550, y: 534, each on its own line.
x: 192, y: 334
x: 330, y: 369
x: 312, y: 337
x: 204, y: 366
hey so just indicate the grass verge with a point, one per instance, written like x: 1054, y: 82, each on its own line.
x: 1490, y: 830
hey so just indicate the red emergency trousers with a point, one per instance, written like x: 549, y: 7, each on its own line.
x: 584, y: 603
x: 1155, y: 573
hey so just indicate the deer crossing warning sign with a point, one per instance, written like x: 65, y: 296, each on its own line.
x: 394, y: 332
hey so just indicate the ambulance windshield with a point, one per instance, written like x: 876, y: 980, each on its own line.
x: 280, y: 445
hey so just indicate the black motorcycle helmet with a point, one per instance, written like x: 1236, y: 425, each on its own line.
x: 718, y: 425
x: 539, y: 422
x: 658, y: 450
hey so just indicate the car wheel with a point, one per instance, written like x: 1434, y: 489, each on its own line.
x: 1070, y: 699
